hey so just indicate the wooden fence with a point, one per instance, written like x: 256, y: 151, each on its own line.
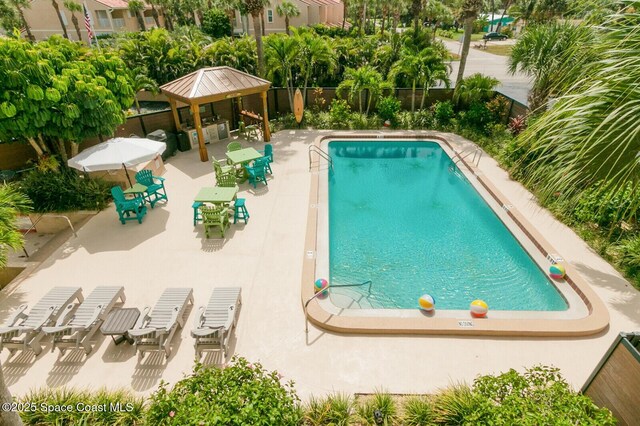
x: 615, y: 382
x: 16, y: 156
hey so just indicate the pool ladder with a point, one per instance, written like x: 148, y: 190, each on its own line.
x: 306, y: 304
x: 475, y: 160
x: 321, y: 153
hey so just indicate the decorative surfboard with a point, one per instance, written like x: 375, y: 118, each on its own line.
x: 298, y: 105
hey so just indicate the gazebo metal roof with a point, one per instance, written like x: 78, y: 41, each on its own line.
x: 214, y: 84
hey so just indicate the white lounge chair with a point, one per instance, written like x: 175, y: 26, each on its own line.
x: 213, y: 323
x: 74, y: 329
x: 23, y: 330
x: 153, y: 332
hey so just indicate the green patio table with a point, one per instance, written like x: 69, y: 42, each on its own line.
x: 216, y: 195
x: 242, y: 157
x: 137, y: 190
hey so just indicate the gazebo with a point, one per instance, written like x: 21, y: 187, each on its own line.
x: 215, y: 84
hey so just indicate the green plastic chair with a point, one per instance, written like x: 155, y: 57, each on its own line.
x: 220, y: 167
x: 126, y: 208
x: 215, y: 217
x: 155, y: 186
x: 234, y: 146
x: 267, y: 152
x: 226, y: 181
x: 257, y: 172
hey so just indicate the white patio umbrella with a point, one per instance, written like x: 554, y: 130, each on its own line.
x: 116, y: 153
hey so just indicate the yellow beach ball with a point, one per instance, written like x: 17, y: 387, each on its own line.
x: 427, y: 303
x: 479, y: 308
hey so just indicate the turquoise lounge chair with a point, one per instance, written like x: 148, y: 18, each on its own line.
x: 155, y: 186
x: 126, y: 208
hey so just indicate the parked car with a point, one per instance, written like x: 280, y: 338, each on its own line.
x: 494, y: 36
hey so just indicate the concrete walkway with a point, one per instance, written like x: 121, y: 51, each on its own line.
x: 264, y: 257
x: 515, y: 86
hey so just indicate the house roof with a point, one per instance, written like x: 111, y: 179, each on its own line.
x: 117, y: 4
x: 321, y: 2
x: 214, y: 84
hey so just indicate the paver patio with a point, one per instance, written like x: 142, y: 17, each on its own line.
x: 264, y: 257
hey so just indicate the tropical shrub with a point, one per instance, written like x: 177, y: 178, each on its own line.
x: 443, y: 112
x: 535, y: 397
x: 388, y: 109
x: 459, y: 405
x: 424, y: 119
x: 118, y: 407
x: 334, y: 410
x: 379, y: 409
x: 517, y: 124
x: 64, y: 191
x: 340, y: 113
x: 418, y: 411
x: 215, y: 23
x: 478, y: 116
x: 475, y: 88
x: 239, y: 394
x: 602, y: 207
x: 12, y: 202
x: 499, y: 107
x: 629, y: 256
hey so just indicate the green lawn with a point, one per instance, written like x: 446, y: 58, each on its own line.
x: 474, y: 37
x: 498, y: 49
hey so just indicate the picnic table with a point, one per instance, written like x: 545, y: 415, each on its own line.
x: 242, y: 157
x: 216, y: 195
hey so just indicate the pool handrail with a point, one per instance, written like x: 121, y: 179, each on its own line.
x: 306, y: 318
x: 321, y: 153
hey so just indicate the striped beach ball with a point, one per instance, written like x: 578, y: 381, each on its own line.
x: 479, y: 308
x: 427, y: 303
x: 557, y: 271
x: 320, y: 285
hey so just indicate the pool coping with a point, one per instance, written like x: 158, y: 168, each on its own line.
x: 596, y: 320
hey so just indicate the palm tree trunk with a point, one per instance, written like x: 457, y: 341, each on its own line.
x: 290, y: 88
x: 384, y: 15
x: 468, y: 29
x: 140, y: 21
x: 425, y: 91
x: 155, y: 15
x: 360, y: 101
x: 26, y: 25
x: 415, y: 10
x: 502, y: 17
x: 7, y: 417
x: 257, y: 32
x: 286, y: 24
x: 363, y: 22
x: 413, y: 96
x: 344, y: 12
x: 75, y: 24
x: 64, y: 27
x: 262, y: 22
x: 135, y: 99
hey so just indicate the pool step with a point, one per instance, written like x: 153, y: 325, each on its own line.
x: 348, y: 298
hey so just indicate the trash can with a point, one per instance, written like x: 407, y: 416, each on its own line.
x: 183, y: 142
x: 168, y: 138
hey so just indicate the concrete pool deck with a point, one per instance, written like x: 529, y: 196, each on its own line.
x: 265, y: 258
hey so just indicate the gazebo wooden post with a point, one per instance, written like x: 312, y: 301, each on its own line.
x: 174, y: 110
x: 204, y: 155
x: 265, y: 117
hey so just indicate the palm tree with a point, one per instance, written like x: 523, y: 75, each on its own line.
x: 591, y: 134
x: 315, y: 54
x: 345, y: 5
x: 8, y: 17
x: 416, y: 9
x: 64, y: 27
x: 12, y: 202
x: 137, y: 7
x: 424, y: 69
x: 254, y: 8
x: 554, y: 55
x: 358, y: 80
x: 20, y: 5
x: 282, y: 52
x: 141, y: 81
x: 475, y: 88
x: 74, y: 7
x: 469, y: 13
x: 288, y: 10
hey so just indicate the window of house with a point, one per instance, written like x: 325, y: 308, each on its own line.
x: 269, y: 15
x: 103, y: 19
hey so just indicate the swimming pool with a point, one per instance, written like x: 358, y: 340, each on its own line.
x: 402, y: 215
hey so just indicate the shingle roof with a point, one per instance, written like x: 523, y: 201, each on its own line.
x: 117, y: 4
x: 215, y: 81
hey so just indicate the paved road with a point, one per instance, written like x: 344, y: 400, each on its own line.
x: 515, y: 86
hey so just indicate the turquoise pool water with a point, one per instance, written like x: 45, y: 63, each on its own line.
x: 399, y: 217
